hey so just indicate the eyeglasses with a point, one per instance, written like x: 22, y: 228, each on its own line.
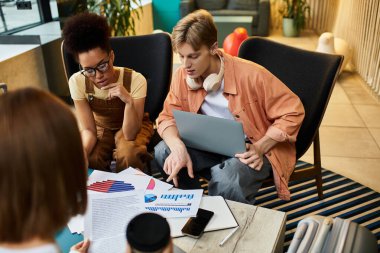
x: 91, y: 72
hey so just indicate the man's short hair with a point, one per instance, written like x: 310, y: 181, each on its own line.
x: 196, y: 29
x: 43, y: 169
x: 86, y: 31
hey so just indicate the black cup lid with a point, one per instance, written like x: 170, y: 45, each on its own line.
x: 148, y: 232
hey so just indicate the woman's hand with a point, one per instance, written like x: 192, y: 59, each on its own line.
x: 118, y: 90
x: 80, y: 247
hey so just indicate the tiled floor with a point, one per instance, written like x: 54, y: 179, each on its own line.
x: 350, y: 130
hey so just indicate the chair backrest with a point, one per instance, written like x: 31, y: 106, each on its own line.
x: 310, y: 75
x: 151, y: 55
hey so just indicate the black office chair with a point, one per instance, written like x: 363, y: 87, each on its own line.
x: 151, y: 55
x: 311, y: 76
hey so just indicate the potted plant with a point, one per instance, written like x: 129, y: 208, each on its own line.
x: 68, y: 8
x: 120, y: 14
x: 295, y: 14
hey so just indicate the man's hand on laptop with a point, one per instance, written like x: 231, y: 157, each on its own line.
x: 178, y: 158
x: 252, y: 157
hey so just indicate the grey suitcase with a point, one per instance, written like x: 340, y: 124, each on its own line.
x: 316, y: 234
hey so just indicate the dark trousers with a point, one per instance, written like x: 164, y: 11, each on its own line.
x: 227, y: 176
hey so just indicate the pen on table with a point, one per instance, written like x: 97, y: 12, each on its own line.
x: 228, y: 236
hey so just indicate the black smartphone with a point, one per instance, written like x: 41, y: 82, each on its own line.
x: 195, y: 226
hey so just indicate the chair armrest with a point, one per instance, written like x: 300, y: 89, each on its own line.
x: 186, y: 7
x: 4, y: 87
x: 264, y: 16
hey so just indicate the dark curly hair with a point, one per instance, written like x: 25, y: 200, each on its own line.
x: 86, y: 31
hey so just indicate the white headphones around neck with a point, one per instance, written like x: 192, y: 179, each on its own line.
x: 211, y: 83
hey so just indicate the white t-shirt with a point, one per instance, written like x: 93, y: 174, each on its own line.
x: 77, y: 85
x: 216, y: 105
x: 47, y: 248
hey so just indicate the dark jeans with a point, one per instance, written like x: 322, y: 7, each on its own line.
x: 227, y: 176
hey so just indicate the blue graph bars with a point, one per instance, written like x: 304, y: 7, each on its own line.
x: 175, y: 197
x: 111, y: 186
x: 167, y: 209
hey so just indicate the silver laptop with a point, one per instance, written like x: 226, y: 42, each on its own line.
x: 212, y: 134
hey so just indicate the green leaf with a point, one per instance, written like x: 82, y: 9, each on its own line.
x: 118, y: 14
x: 299, y: 10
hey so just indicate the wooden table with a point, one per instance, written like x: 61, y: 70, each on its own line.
x: 261, y: 230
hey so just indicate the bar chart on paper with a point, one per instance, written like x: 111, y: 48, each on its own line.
x: 111, y: 186
x: 170, y: 204
x: 175, y: 197
x: 168, y: 209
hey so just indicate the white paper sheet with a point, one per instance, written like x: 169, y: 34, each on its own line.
x: 131, y: 171
x: 159, y: 185
x: 136, y: 178
x: 107, y: 218
x: 179, y: 203
x: 76, y: 224
x: 116, y: 244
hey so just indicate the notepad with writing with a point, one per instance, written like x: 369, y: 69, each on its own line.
x: 222, y: 219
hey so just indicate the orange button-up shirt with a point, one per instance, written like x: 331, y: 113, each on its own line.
x: 257, y: 99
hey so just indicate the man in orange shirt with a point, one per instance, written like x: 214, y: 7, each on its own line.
x: 216, y: 84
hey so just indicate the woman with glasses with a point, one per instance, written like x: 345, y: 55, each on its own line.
x: 109, y: 100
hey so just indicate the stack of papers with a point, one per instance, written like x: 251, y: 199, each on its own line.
x: 128, y: 181
x: 115, y: 198
x: 109, y: 214
x: 107, y: 217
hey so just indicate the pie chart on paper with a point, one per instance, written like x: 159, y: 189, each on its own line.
x: 150, y: 198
